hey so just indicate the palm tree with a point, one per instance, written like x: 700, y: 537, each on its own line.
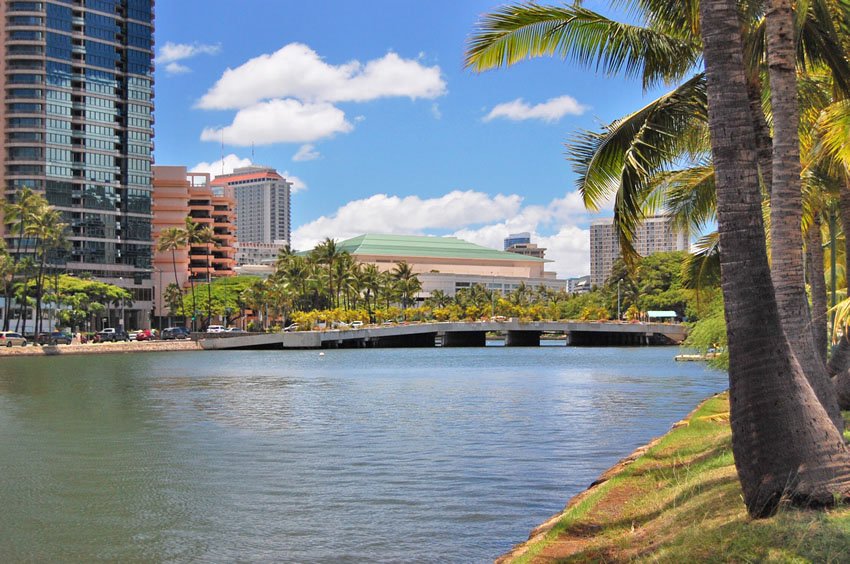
x: 438, y: 298
x: 192, y: 231
x: 170, y: 240
x: 786, y: 206
x: 370, y: 281
x: 328, y: 253
x: 206, y: 237
x: 634, y: 157
x: 49, y: 231
x: 19, y: 213
x: 407, y: 282
x: 785, y: 444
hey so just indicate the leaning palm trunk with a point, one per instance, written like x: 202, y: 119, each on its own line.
x: 817, y: 282
x: 786, y: 206
x: 785, y: 444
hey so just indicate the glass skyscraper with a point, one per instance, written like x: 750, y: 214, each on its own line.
x: 77, y: 123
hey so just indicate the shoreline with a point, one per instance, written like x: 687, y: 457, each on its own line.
x: 539, y: 532
x: 100, y: 348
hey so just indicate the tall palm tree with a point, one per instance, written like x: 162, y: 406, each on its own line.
x: 192, y: 231
x: 47, y: 228
x: 785, y: 444
x: 18, y: 214
x: 371, y: 284
x: 407, y: 282
x: 171, y: 239
x: 328, y: 253
x: 206, y: 237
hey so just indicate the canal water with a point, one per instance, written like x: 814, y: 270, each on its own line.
x: 381, y: 455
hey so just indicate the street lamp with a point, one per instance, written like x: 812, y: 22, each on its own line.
x: 121, y: 319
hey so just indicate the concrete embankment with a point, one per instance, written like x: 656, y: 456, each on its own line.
x: 100, y: 348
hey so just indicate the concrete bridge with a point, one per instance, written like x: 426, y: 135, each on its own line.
x: 456, y: 334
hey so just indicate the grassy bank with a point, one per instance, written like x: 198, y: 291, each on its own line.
x: 679, y: 500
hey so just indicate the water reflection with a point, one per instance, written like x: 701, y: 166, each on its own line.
x: 390, y: 455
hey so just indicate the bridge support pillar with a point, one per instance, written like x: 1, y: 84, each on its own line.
x: 522, y: 339
x: 464, y: 339
x: 416, y: 340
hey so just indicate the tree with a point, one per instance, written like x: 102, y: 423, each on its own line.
x: 171, y: 239
x: 206, y: 237
x: 785, y: 444
x: 407, y: 282
x: 192, y: 231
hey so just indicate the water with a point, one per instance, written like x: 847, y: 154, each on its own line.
x: 390, y: 455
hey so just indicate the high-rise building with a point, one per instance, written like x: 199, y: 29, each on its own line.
x: 262, y: 206
x: 523, y: 238
x: 177, y: 195
x: 654, y: 235
x: 77, y: 126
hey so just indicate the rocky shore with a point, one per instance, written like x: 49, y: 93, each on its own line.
x: 100, y: 348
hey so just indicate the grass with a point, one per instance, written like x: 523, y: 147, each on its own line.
x: 681, y: 501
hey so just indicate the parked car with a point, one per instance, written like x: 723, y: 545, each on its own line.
x: 215, y: 329
x: 132, y: 335
x: 54, y: 338
x: 175, y: 333
x: 235, y: 330
x: 110, y: 335
x: 356, y: 324
x: 10, y: 339
x: 293, y: 327
x: 145, y: 335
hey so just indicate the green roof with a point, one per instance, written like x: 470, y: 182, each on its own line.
x: 422, y: 246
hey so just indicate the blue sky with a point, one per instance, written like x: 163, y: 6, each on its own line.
x: 367, y: 107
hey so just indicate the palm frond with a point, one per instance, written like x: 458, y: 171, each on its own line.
x: 623, y: 158
x: 702, y: 267
x: 518, y: 32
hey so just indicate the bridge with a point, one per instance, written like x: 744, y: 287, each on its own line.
x: 456, y: 334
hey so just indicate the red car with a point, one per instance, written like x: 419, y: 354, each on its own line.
x: 144, y: 335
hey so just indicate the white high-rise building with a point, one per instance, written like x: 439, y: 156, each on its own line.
x: 262, y: 208
x: 654, y: 235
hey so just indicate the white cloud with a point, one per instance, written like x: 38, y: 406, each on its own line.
x: 306, y: 152
x: 281, y: 121
x: 176, y: 68
x: 435, y: 111
x: 296, y: 71
x: 297, y: 184
x: 382, y: 213
x: 171, y: 52
x: 470, y: 215
x: 215, y: 168
x: 549, y: 111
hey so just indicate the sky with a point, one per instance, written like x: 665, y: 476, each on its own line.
x: 367, y: 108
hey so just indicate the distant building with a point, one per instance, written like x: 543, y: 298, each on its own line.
x: 579, y: 285
x: 654, y: 235
x: 262, y: 199
x: 523, y: 238
x: 450, y: 264
x: 178, y: 194
x: 257, y: 253
x: 527, y: 249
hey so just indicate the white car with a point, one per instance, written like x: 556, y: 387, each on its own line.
x: 356, y: 324
x: 10, y: 338
x: 215, y: 329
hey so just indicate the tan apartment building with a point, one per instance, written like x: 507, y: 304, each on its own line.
x: 179, y: 194
x: 655, y: 234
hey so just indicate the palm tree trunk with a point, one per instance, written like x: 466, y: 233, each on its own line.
x: 817, y: 282
x: 762, y: 131
x: 839, y: 363
x: 786, y: 206
x: 209, y: 289
x: 177, y: 283
x: 785, y: 444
